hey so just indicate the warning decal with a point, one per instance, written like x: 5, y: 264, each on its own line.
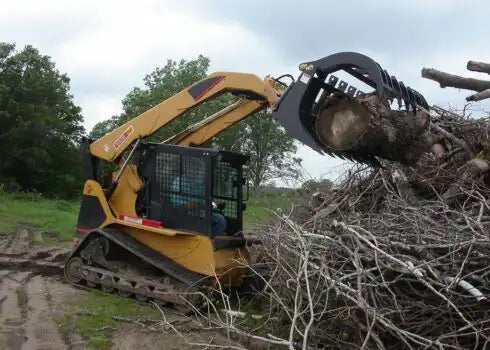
x: 305, y: 78
x: 124, y: 136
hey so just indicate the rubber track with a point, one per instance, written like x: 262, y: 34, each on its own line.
x: 138, y: 286
x: 150, y: 256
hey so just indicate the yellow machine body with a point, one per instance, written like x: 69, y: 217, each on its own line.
x: 193, y: 251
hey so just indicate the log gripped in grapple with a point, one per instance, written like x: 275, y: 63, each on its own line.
x: 89, y: 267
x: 298, y: 108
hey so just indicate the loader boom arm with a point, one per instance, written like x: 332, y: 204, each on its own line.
x: 257, y: 94
x: 203, y: 131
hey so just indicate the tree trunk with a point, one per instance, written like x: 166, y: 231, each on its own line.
x: 369, y: 127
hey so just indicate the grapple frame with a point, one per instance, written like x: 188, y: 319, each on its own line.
x: 297, y: 107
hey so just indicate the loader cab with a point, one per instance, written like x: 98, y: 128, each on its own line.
x: 184, y: 186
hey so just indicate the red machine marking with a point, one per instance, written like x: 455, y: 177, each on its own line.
x: 141, y: 221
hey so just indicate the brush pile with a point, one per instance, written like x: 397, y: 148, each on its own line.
x: 392, y: 258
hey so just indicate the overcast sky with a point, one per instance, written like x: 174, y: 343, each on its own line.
x: 106, y: 47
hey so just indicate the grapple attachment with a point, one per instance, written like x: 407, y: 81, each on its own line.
x: 297, y: 109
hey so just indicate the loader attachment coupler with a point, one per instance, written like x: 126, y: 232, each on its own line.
x: 298, y: 108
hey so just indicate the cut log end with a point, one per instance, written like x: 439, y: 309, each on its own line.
x: 342, y: 125
x: 438, y: 150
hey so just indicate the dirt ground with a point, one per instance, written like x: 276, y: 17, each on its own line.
x: 33, y: 295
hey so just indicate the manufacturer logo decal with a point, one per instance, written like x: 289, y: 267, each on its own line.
x: 124, y: 136
x: 106, y: 148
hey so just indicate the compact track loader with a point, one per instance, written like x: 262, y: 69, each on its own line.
x: 147, y: 231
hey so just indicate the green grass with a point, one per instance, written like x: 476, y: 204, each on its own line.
x: 53, y: 215
x: 261, y: 207
x: 92, y: 317
x: 48, y: 215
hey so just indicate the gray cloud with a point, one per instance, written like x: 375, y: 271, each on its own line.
x: 397, y: 28
x: 403, y: 36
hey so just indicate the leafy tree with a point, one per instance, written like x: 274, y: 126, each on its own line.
x: 270, y: 148
x: 312, y: 185
x: 40, y: 125
x: 105, y: 126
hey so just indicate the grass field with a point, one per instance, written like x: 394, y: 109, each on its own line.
x: 261, y: 207
x: 52, y: 215
x: 48, y: 215
x: 95, y: 317
x: 92, y: 316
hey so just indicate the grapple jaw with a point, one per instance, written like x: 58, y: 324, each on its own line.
x: 297, y: 107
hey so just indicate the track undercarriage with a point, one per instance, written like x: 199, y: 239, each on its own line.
x: 114, y: 262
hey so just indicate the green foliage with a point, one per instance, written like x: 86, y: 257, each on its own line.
x: 311, y: 186
x: 261, y: 207
x: 50, y: 215
x: 270, y: 148
x: 160, y: 85
x: 92, y: 317
x: 40, y: 124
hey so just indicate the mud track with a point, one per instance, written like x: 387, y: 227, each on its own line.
x: 34, y: 294
x: 31, y: 294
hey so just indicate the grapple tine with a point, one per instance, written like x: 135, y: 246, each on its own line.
x: 296, y: 109
x: 386, y: 77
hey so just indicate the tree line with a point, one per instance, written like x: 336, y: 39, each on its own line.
x: 41, y: 126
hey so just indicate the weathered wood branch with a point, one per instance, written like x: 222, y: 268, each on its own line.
x: 454, y: 139
x: 479, y: 96
x: 478, y: 67
x: 451, y: 80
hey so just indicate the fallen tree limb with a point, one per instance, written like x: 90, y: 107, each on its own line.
x: 392, y: 258
x: 479, y: 96
x: 478, y: 67
x: 455, y: 81
x: 453, y: 138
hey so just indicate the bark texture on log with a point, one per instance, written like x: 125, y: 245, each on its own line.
x: 478, y: 67
x: 370, y: 127
x: 472, y: 169
x: 479, y: 96
x: 451, y: 80
x: 482, y: 87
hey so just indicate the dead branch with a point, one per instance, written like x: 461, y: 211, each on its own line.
x: 393, y: 258
x: 478, y: 67
x: 479, y: 96
x: 455, y: 81
x: 445, y: 79
x: 455, y: 139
